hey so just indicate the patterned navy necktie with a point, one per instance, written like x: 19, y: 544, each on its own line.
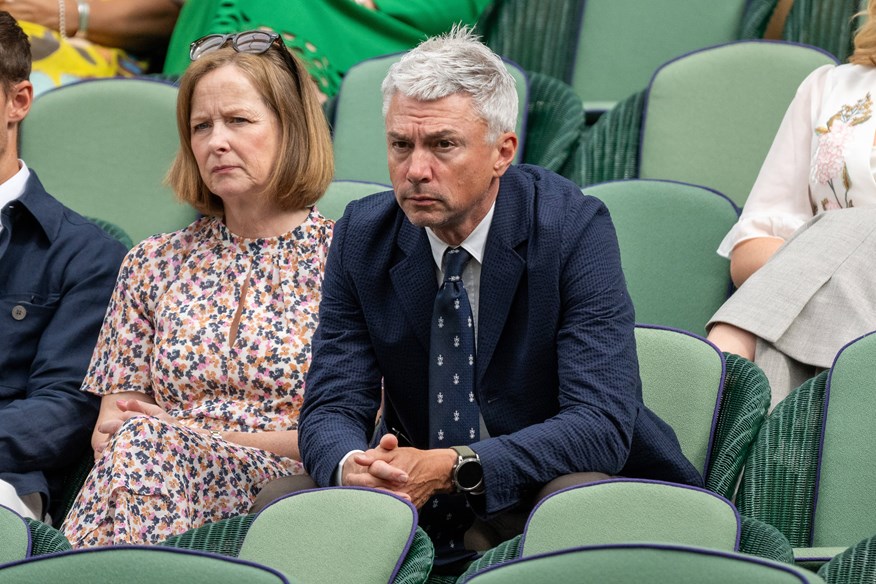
x: 454, y: 418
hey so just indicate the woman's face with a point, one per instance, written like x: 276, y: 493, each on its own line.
x: 235, y: 136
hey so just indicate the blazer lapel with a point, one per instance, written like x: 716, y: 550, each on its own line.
x: 413, y: 279
x: 503, y: 264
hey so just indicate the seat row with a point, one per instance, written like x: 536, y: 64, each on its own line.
x: 610, y: 531
x: 804, y: 496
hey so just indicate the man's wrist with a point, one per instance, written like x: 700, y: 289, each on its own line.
x: 468, y: 474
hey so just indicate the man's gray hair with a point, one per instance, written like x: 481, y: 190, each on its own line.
x: 457, y: 62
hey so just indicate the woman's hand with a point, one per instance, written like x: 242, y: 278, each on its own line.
x: 117, y: 408
x: 131, y: 408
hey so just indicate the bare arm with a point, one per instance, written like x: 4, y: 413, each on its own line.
x: 135, y: 25
x: 750, y: 255
x: 282, y: 443
x: 118, y: 407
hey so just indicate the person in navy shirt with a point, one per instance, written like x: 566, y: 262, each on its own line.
x: 57, y: 272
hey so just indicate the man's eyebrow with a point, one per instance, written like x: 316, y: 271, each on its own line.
x: 439, y: 135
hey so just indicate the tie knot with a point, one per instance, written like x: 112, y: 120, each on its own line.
x: 455, y: 259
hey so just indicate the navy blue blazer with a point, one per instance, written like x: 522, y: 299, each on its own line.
x: 57, y: 272
x: 557, y: 374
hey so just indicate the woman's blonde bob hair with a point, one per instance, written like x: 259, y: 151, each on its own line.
x: 865, y: 38
x: 305, y: 165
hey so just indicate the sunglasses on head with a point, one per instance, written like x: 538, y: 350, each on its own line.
x: 255, y: 42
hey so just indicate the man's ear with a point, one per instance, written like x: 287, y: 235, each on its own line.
x: 19, y: 101
x: 507, y: 148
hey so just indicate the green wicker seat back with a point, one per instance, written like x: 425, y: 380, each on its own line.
x: 137, y: 565
x: 778, y: 486
x: 682, y: 382
x: 744, y: 404
x: 338, y: 534
x: 539, y: 36
x: 341, y: 192
x: 625, y: 511
x: 359, y: 138
x: 828, y: 24
x: 45, y: 539
x: 622, y: 42
x: 103, y: 148
x: 854, y: 564
x: 644, y: 562
x: 668, y: 233
x: 554, y: 126
x: 610, y: 147
x: 711, y: 116
x: 15, y: 535
x: 845, y: 509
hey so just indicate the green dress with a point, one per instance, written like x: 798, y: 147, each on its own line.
x: 329, y: 35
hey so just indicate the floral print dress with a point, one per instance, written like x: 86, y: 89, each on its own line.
x: 216, y: 329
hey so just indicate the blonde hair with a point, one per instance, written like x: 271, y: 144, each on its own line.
x: 865, y: 38
x: 305, y: 164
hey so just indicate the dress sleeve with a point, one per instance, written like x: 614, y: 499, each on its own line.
x: 779, y: 200
x: 122, y: 356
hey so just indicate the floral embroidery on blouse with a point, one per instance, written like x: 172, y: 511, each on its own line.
x: 833, y: 140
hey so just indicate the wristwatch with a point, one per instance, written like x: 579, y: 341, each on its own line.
x: 468, y: 474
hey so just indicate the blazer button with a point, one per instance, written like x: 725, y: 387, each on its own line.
x: 19, y: 312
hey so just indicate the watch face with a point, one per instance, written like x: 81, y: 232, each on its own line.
x: 469, y: 474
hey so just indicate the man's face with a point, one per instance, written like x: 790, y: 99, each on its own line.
x: 444, y: 172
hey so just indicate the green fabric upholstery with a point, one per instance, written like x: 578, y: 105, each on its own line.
x: 114, y: 230
x: 857, y: 564
x: 504, y: 552
x: 14, y: 533
x: 778, y: 485
x: 136, y: 565
x: 341, y: 192
x: 828, y: 24
x: 641, y: 562
x: 103, y: 147
x: 744, y: 405
x: 539, y: 36
x: 610, y: 147
x: 45, y: 539
x: 682, y: 383
x: 622, y: 42
x: 711, y: 116
x: 332, y: 533
x: 668, y: 233
x: 554, y: 124
x: 625, y: 511
x: 331, y: 530
x: 359, y: 138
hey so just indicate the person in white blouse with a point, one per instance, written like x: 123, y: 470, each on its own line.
x: 805, y: 275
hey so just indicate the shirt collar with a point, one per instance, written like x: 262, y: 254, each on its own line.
x: 474, y: 244
x: 13, y: 188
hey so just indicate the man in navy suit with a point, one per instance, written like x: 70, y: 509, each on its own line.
x: 556, y: 375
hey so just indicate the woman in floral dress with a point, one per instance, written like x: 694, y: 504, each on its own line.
x: 814, y: 295
x: 202, y: 356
